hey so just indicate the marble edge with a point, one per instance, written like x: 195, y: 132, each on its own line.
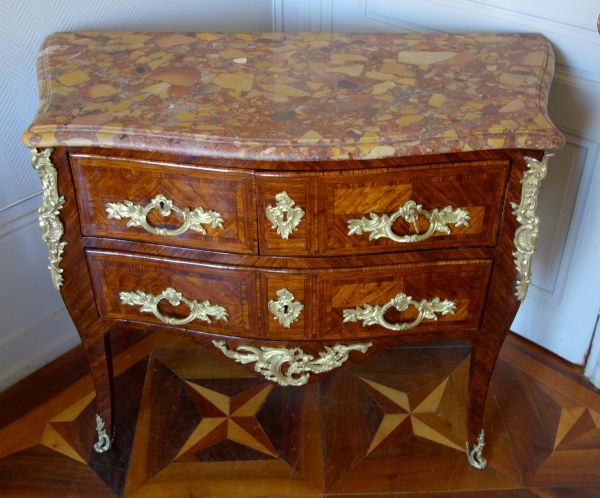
x: 43, y: 84
x: 543, y: 93
x: 255, y: 149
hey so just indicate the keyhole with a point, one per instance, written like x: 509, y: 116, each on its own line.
x: 161, y: 204
x: 285, y: 308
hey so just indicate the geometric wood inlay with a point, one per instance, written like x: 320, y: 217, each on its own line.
x: 392, y: 424
x: 397, y: 425
x: 230, y: 418
x: 61, y: 432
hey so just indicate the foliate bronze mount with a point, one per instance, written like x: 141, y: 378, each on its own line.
x: 285, y: 309
x: 137, y: 213
x: 474, y: 456
x: 50, y: 224
x: 375, y: 315
x: 526, y: 235
x: 284, y: 216
x: 381, y: 226
x: 270, y: 361
x: 104, y: 443
x: 149, y: 303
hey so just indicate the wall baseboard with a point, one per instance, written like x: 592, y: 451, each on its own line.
x: 592, y: 367
x: 25, y: 353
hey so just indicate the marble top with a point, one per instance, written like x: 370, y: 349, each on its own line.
x: 306, y: 96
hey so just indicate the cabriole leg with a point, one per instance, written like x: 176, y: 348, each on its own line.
x: 98, y: 354
x: 482, y: 365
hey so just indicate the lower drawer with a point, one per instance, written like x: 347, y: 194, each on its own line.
x: 408, y: 299
x: 174, y: 292
x: 292, y: 305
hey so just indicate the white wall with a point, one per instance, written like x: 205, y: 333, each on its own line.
x: 34, y: 325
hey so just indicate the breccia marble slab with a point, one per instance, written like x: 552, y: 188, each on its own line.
x: 295, y: 97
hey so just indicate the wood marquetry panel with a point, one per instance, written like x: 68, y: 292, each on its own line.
x: 300, y: 242
x: 102, y: 180
x: 477, y: 187
x: 235, y: 290
x: 464, y: 283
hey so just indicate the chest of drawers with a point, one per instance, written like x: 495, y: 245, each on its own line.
x: 300, y: 206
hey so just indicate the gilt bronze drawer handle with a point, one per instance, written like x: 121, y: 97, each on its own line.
x: 285, y: 309
x: 270, y: 361
x: 149, y: 303
x: 284, y: 216
x: 381, y: 226
x: 192, y: 220
x: 374, y: 315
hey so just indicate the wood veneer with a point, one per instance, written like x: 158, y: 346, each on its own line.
x: 100, y: 181
x: 234, y: 289
x: 477, y: 187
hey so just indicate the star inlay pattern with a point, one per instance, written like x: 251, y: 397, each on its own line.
x: 227, y: 417
x: 406, y: 414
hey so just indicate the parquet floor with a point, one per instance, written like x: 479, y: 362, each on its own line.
x: 190, y: 424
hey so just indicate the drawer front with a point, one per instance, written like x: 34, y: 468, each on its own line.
x: 286, y: 214
x: 165, y: 203
x: 406, y: 210
x: 173, y: 292
x: 390, y: 301
x: 299, y: 305
x: 286, y: 304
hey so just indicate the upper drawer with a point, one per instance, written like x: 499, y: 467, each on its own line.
x: 165, y: 203
x: 383, y: 210
x: 408, y: 209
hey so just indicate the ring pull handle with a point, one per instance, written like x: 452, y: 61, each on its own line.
x: 374, y: 315
x: 381, y: 226
x: 149, y: 303
x: 284, y: 216
x: 192, y: 219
